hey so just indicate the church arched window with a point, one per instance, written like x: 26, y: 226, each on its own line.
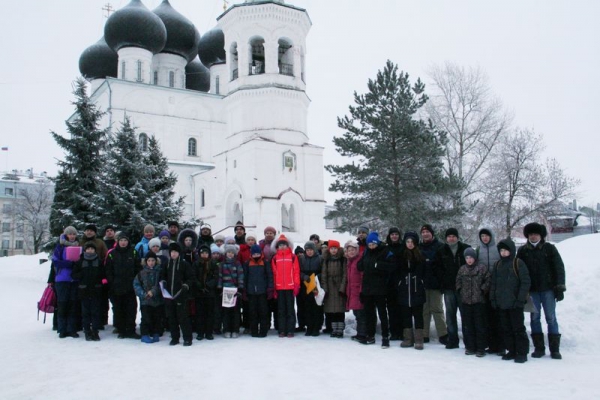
x: 171, y: 79
x: 202, y: 198
x: 192, y: 147
x: 285, y: 219
x: 292, y: 218
x: 257, y: 56
x: 139, y: 71
x: 234, y: 61
x: 143, y: 142
x: 285, y: 57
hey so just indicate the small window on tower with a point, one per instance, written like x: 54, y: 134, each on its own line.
x: 156, y: 77
x: 217, y: 89
x: 139, y: 71
x: 171, y: 79
x: 202, y: 198
x: 123, y: 70
x: 143, y: 142
x: 192, y: 147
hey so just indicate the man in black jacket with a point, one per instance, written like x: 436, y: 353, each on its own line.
x: 547, y: 272
x: 448, y: 259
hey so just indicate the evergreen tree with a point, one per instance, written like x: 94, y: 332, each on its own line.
x: 77, y: 179
x: 122, y: 197
x: 396, y: 174
x: 163, y: 206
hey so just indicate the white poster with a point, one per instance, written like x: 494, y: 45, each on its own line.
x: 229, y: 297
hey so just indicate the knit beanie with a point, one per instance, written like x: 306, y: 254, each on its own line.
x: 174, y: 246
x: 363, y: 229
x: 428, y: 227
x: 231, y: 248
x: 298, y: 250
x: 394, y: 229
x: 219, y: 238
x: 151, y: 255
x: 251, y: 235
x: 70, y: 230
x: 411, y: 235
x: 154, y: 242
x: 149, y: 228
x: 333, y: 243
x: 204, y: 249
x: 451, y: 231
x: 351, y: 243
x: 470, y: 252
x: 214, y: 248
x: 164, y: 233
x: 91, y: 227
x: 89, y: 245
x: 269, y: 229
x: 255, y: 249
x: 310, y: 245
x: 373, y: 237
x: 239, y: 224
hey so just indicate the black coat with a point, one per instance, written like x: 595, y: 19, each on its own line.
x: 89, y: 273
x: 545, y: 266
x: 309, y: 266
x: 510, y: 282
x: 207, y: 276
x: 377, y: 266
x: 177, y: 273
x: 410, y: 286
x: 122, y: 265
x: 429, y: 250
x: 397, y: 250
x: 448, y: 264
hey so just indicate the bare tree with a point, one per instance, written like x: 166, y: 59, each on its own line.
x: 521, y: 186
x: 474, y: 119
x: 32, y: 211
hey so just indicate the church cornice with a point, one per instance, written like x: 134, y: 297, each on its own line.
x: 286, y: 13
x: 268, y: 89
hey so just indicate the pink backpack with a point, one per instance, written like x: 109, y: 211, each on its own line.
x: 47, y: 303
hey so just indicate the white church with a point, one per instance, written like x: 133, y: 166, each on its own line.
x: 229, y: 109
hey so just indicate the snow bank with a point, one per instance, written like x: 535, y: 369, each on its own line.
x: 36, y: 364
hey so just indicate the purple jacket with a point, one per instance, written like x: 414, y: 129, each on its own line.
x: 353, y: 284
x: 62, y: 266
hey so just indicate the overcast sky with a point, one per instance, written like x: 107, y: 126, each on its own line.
x: 542, y: 58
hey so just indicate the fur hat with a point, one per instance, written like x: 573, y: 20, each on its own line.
x: 89, y: 244
x: 429, y: 228
x: 451, y: 231
x: 164, y: 233
x: 412, y: 236
x: 534, y: 227
x: 364, y: 229
x: 333, y: 243
x: 215, y: 249
x: 154, y: 242
x: 91, y: 227
x: 373, y: 237
x: 255, y: 249
x: 470, y: 252
x: 231, y: 248
x: 174, y: 246
x: 70, y: 230
x: 219, y: 237
x: 270, y: 229
x: 310, y: 245
x: 151, y: 255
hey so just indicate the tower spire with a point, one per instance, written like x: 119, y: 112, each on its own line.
x: 108, y: 8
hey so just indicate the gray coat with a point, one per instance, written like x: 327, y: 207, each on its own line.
x: 488, y: 254
x: 332, y: 281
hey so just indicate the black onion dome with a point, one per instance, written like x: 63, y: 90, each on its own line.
x: 212, y: 47
x: 197, y: 76
x: 99, y: 61
x: 182, y: 35
x: 135, y: 26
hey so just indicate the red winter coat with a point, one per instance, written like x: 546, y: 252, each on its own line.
x: 244, y: 255
x: 353, y: 284
x: 286, y: 270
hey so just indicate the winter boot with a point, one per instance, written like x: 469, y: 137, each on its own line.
x: 88, y: 336
x: 146, y: 339
x: 521, y: 358
x: 155, y: 338
x: 554, y: 345
x: 538, y: 344
x: 419, y: 339
x: 385, y: 343
x: 95, y: 336
x: 408, y: 338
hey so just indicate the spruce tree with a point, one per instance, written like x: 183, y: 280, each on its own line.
x: 122, y: 198
x: 395, y: 177
x: 77, y: 180
x: 163, y: 205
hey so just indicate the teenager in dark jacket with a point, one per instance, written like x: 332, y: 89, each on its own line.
x: 122, y: 265
x: 473, y: 285
x: 487, y: 254
x: 310, y: 264
x: 433, y: 306
x: 377, y: 263
x: 410, y: 291
x: 448, y: 260
x: 110, y: 241
x: 146, y: 287
x: 89, y: 271
x: 547, y: 272
x: 207, y: 274
x: 177, y: 279
x: 508, y: 294
x: 266, y: 244
x: 332, y: 281
x: 258, y: 277
x: 396, y: 246
x: 188, y: 240
x: 363, y: 232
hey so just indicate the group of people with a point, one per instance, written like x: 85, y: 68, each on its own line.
x: 195, y: 283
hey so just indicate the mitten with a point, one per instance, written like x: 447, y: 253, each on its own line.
x: 104, y: 281
x: 559, y: 292
x: 296, y: 291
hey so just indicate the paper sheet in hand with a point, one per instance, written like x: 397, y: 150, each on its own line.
x: 229, y: 297
x: 165, y: 292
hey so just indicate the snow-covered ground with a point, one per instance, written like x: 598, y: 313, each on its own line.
x: 36, y: 364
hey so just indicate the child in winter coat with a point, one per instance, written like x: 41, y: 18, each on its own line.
x: 508, y: 294
x: 332, y: 281
x: 177, y: 278
x: 353, y: 283
x: 89, y: 271
x: 207, y: 274
x: 473, y: 284
x: 411, y: 291
x: 231, y: 275
x: 65, y: 285
x: 188, y: 240
x: 146, y: 286
x: 258, y: 277
x: 286, y: 279
x: 310, y: 265
x: 122, y: 265
x: 142, y: 247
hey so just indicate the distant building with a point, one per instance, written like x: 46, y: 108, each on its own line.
x: 15, y: 233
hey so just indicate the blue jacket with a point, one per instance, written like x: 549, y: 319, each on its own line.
x: 147, y: 280
x: 258, y: 276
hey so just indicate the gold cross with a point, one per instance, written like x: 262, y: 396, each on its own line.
x: 108, y: 8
